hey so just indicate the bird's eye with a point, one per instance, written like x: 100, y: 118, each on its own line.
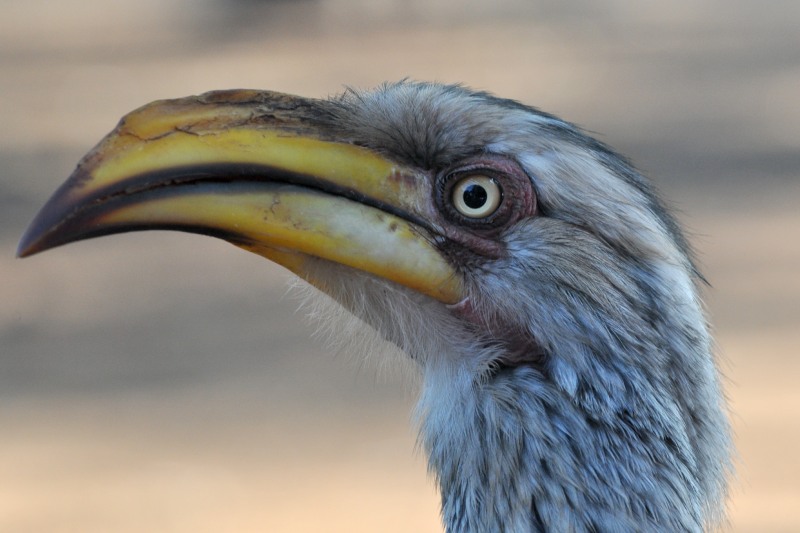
x: 476, y: 196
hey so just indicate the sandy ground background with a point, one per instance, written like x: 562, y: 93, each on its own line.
x: 164, y: 382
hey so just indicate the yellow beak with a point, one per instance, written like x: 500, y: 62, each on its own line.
x: 258, y: 170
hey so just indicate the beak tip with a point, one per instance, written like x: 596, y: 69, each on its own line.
x: 39, y: 236
x: 24, y: 250
x: 43, y: 231
x: 29, y: 244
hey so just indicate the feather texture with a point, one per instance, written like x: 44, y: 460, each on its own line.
x: 617, y: 422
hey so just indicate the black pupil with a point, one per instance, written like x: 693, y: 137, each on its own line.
x: 475, y: 196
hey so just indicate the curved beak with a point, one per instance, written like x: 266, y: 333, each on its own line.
x: 261, y: 170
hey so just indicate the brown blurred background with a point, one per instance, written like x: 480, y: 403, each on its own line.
x: 163, y: 382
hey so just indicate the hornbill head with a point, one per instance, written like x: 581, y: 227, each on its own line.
x: 547, y: 296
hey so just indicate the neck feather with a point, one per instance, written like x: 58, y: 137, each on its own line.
x: 515, y: 453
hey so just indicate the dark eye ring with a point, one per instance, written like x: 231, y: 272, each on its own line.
x: 476, y: 196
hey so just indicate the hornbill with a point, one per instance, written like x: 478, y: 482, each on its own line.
x: 547, y: 296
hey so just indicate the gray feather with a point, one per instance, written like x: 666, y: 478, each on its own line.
x: 619, y: 424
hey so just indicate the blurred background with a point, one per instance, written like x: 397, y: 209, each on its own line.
x: 164, y: 382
